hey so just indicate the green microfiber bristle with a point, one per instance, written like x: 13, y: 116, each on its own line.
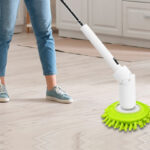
x: 109, y: 120
x: 135, y: 126
x: 144, y: 123
x: 117, y: 125
x: 126, y: 127
x: 104, y: 115
x: 113, y: 123
x: 130, y: 127
x: 141, y: 124
x: 105, y: 120
x: 147, y: 120
x: 110, y: 124
x: 121, y: 126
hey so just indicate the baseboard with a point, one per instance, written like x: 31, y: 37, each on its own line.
x: 108, y: 38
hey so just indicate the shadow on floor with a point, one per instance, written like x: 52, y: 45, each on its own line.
x: 31, y: 100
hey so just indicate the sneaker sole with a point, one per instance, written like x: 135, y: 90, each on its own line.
x: 4, y: 100
x: 58, y: 100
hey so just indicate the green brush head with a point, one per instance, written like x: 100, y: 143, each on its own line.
x: 126, y: 121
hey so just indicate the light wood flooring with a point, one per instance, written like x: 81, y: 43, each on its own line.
x: 30, y: 122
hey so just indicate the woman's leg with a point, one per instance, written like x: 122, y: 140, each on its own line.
x: 50, y: 81
x: 8, y: 13
x: 40, y: 14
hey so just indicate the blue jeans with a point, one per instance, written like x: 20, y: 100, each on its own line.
x: 40, y: 14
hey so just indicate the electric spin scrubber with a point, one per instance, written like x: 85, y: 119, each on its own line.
x: 127, y: 114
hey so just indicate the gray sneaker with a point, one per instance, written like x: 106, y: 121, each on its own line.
x: 3, y: 94
x: 58, y: 95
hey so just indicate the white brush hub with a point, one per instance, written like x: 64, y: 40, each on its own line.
x: 127, y: 91
x: 133, y: 110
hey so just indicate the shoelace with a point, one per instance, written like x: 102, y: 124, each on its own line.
x: 2, y: 89
x: 60, y: 91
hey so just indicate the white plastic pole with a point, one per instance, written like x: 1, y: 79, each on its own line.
x: 91, y: 36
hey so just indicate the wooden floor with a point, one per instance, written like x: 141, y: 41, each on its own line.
x: 30, y: 122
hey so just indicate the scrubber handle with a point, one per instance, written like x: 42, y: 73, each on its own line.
x: 122, y: 74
